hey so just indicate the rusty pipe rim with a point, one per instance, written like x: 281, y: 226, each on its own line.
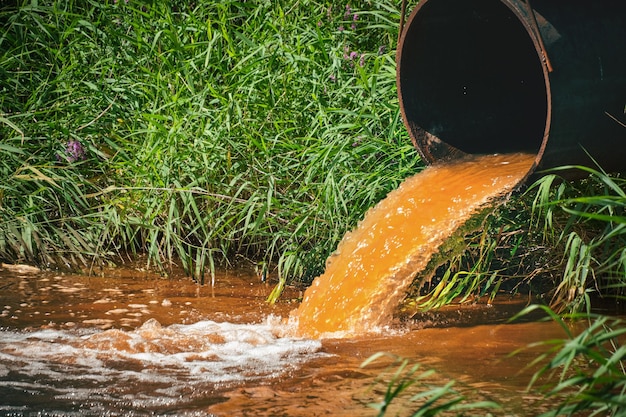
x: 421, y: 138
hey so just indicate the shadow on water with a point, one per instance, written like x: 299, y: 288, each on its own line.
x: 131, y: 343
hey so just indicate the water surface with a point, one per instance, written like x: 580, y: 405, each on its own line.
x: 132, y: 343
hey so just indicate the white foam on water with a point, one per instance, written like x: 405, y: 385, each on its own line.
x: 145, y: 367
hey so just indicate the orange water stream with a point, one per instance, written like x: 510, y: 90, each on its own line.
x: 373, y: 265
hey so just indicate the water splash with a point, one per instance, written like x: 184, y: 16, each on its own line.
x: 86, y: 371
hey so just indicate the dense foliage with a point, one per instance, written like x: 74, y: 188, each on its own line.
x: 195, y: 132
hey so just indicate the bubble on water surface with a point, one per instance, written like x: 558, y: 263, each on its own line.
x: 117, y: 311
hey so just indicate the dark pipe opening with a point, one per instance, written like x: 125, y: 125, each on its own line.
x: 470, y: 79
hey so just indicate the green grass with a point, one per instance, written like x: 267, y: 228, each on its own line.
x: 590, y: 222
x: 212, y: 131
x: 429, y: 400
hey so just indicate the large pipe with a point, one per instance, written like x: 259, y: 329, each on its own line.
x: 493, y: 76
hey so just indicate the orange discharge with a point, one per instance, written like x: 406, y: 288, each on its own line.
x: 373, y: 265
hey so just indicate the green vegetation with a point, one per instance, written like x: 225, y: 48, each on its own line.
x: 204, y: 133
x: 430, y: 400
x: 586, y: 370
x: 198, y: 133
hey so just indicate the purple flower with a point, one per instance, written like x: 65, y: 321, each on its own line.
x: 362, y: 60
x: 74, y: 151
x: 353, y: 26
x: 355, y: 17
x: 353, y: 55
x: 340, y: 29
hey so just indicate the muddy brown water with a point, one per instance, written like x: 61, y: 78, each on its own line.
x: 129, y: 342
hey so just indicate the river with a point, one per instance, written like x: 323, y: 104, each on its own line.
x: 128, y: 342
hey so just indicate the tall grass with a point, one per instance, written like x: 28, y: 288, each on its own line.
x: 590, y: 222
x: 207, y: 131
